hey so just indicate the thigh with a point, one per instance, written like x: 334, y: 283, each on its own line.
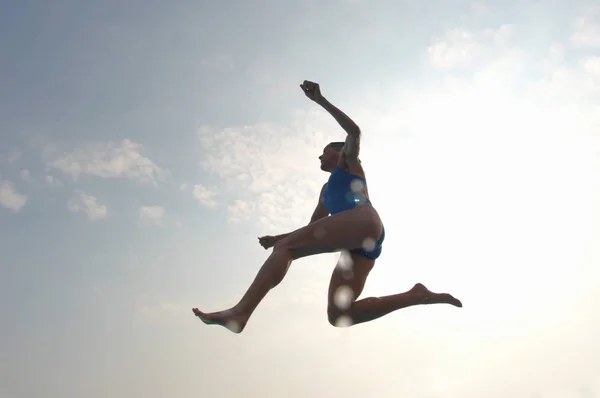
x: 348, y: 230
x: 348, y: 281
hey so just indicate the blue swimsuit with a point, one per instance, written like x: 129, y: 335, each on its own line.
x: 344, y: 191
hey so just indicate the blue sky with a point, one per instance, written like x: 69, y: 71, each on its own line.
x: 144, y: 147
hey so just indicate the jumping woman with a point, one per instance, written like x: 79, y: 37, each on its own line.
x: 344, y: 220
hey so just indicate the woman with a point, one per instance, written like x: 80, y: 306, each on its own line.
x: 344, y: 220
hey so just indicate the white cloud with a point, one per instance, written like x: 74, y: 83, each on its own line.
x: 586, y: 32
x: 88, y: 204
x: 109, y: 160
x: 459, y: 47
x: 25, y: 175
x: 556, y: 53
x: 152, y: 213
x: 53, y: 181
x: 479, y: 9
x: 502, y: 68
x: 240, y: 210
x: 592, y: 65
x: 270, y: 172
x: 205, y: 196
x: 568, y: 86
x: 9, y: 197
x: 456, y: 49
x: 503, y: 35
x: 13, y: 156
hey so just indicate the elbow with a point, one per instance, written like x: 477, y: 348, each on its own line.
x: 319, y: 215
x: 316, y: 217
x: 354, y: 131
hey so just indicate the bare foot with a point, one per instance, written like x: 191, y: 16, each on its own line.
x: 228, y: 319
x: 429, y: 297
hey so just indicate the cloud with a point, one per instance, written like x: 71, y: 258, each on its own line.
x: 13, y: 156
x: 204, y: 195
x: 586, y: 33
x: 10, y: 198
x: 494, y: 65
x: 567, y: 85
x: 460, y: 48
x: 152, y: 213
x: 53, y: 181
x: 269, y: 172
x: 109, y: 160
x: 479, y: 9
x: 240, y: 210
x: 592, y: 65
x: 25, y: 175
x: 456, y: 49
x: 88, y: 204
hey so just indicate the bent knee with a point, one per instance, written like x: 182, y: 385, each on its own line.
x: 282, y: 247
x: 338, y: 318
x: 290, y: 248
x: 333, y: 314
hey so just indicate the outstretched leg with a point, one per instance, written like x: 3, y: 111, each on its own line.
x: 269, y: 276
x: 347, y: 283
x: 347, y: 230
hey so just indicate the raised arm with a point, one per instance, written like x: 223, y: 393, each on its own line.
x: 352, y: 145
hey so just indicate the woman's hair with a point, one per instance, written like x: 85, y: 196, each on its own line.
x: 338, y: 145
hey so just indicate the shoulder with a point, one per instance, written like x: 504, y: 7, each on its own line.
x: 352, y: 165
x: 346, y: 162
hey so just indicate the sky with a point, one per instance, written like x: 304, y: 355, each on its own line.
x: 145, y: 145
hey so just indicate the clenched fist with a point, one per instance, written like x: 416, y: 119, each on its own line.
x: 267, y: 241
x: 312, y: 90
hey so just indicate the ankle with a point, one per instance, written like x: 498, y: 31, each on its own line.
x: 239, y: 311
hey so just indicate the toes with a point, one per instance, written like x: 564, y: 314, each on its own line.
x: 450, y: 299
x: 457, y: 302
x: 198, y: 313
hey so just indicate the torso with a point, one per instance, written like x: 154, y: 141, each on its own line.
x: 346, y: 188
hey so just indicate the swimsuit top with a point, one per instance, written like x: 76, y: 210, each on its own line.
x: 344, y: 191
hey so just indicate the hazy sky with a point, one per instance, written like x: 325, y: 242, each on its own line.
x: 145, y: 145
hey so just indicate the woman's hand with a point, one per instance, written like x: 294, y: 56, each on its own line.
x: 312, y: 90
